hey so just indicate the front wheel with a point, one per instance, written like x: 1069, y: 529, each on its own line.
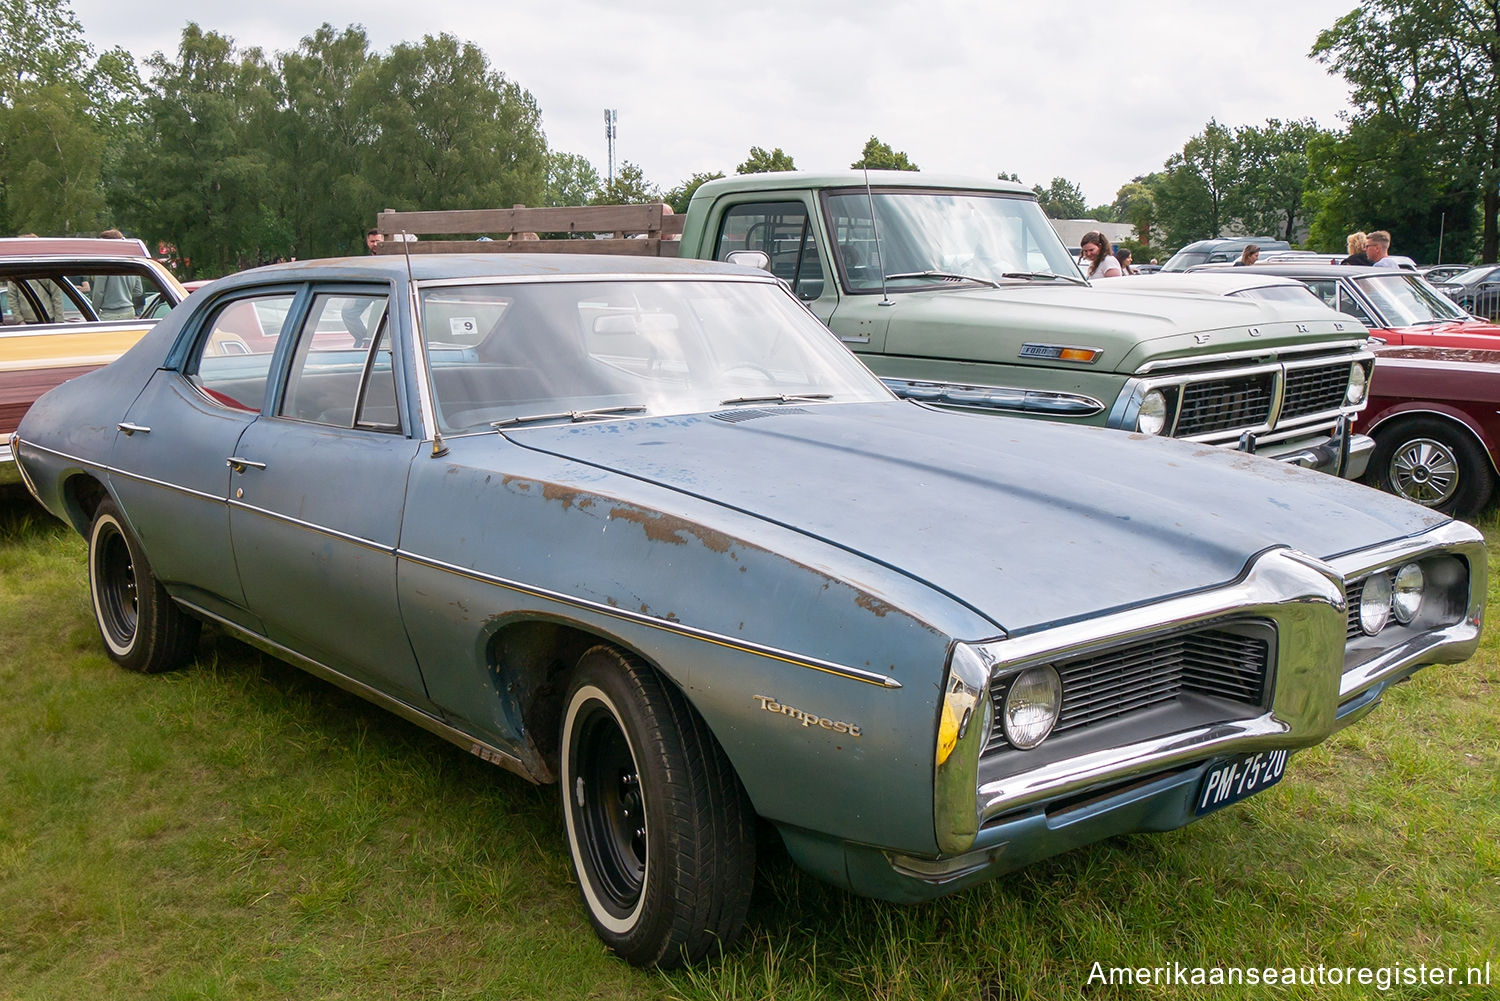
x: 142, y: 628
x: 1433, y: 463
x: 660, y: 830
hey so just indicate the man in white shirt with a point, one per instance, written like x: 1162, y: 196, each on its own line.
x: 1378, y: 249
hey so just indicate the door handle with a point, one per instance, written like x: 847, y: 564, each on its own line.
x: 239, y: 465
x: 130, y: 428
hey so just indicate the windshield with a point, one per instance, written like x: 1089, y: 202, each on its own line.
x: 514, y: 353
x: 1406, y: 300
x: 1184, y: 259
x: 1473, y: 276
x: 1298, y: 293
x: 942, y: 237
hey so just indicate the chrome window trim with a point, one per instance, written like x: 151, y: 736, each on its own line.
x: 421, y: 284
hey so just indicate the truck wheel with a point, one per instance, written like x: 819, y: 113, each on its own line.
x: 660, y: 830
x: 143, y: 629
x: 1433, y: 463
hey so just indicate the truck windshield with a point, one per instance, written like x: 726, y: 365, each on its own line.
x: 512, y: 354
x: 941, y: 237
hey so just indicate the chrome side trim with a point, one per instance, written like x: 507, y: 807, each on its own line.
x: 678, y: 628
x: 626, y: 276
x: 174, y: 487
x: 323, y: 530
x: 1354, y: 351
x: 1018, y: 400
x: 479, y: 748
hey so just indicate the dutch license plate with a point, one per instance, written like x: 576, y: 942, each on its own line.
x: 1239, y: 777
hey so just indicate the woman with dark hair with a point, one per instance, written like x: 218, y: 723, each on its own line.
x: 1124, y: 256
x: 1248, y: 255
x: 1103, y: 264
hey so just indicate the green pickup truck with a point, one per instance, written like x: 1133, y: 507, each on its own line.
x: 958, y: 292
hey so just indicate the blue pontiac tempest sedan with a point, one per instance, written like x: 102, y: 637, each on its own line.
x: 648, y: 530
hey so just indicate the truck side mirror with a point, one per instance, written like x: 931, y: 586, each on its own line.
x: 750, y: 259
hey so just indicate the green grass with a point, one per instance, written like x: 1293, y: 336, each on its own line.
x: 241, y: 830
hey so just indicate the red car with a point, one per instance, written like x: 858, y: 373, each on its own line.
x: 1435, y: 416
x: 1400, y: 307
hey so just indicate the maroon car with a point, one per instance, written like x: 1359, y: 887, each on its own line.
x: 1433, y: 415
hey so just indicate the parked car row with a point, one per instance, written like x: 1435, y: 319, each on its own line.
x: 647, y: 530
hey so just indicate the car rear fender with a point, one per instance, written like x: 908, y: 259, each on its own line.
x: 1442, y: 411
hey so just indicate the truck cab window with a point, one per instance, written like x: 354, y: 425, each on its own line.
x: 782, y: 231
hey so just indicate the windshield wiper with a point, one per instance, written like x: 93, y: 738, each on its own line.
x: 950, y: 275
x: 1435, y: 320
x: 778, y: 398
x: 1043, y: 276
x: 573, y: 415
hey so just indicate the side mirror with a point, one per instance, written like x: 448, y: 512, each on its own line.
x: 750, y: 259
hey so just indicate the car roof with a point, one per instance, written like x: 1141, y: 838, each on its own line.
x: 440, y: 266
x: 70, y: 246
x: 1295, y: 270
x: 772, y: 180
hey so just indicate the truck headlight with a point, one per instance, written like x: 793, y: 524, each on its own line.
x: 1032, y: 706
x: 1358, y: 384
x: 1152, y: 418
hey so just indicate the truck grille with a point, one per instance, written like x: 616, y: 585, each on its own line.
x: 1215, y: 662
x: 1315, y: 390
x: 1225, y: 404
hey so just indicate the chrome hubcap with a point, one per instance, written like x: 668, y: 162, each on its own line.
x: 1425, y: 471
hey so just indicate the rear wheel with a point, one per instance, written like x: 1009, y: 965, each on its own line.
x: 660, y: 830
x: 1433, y: 463
x: 142, y: 628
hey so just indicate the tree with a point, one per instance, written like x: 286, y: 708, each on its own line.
x: 1433, y: 70
x: 1272, y: 162
x: 1003, y: 176
x: 679, y: 196
x: 629, y: 187
x: 761, y: 162
x: 571, y: 180
x: 44, y: 44
x: 879, y: 156
x: 54, y: 155
x: 1134, y: 203
x: 1062, y: 199
x: 1190, y: 196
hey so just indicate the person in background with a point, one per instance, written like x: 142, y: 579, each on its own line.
x: 1102, y: 263
x: 1124, y: 256
x: 1248, y: 256
x: 1356, y: 246
x: 1378, y: 249
x: 373, y: 239
x: 114, y: 296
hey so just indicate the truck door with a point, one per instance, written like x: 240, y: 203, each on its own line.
x: 787, y: 231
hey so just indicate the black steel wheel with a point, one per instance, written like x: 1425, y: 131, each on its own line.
x: 659, y: 828
x: 142, y: 628
x: 1432, y: 462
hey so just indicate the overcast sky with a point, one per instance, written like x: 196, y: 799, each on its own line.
x: 1095, y: 92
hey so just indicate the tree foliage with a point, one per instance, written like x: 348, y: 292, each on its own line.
x: 1271, y: 165
x: 879, y: 156
x: 679, y: 196
x: 629, y: 187
x: 1062, y: 199
x: 571, y: 180
x: 761, y: 162
x: 1428, y: 69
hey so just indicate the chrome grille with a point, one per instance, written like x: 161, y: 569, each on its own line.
x: 1315, y: 390
x: 1355, y: 592
x: 1215, y: 662
x: 1225, y: 404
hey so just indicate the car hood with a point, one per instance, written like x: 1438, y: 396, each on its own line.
x: 1025, y: 522
x: 1130, y: 325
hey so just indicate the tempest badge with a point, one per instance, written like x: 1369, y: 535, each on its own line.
x: 770, y: 705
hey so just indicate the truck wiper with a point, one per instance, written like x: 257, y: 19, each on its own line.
x: 573, y: 415
x: 778, y: 398
x: 1043, y: 276
x: 950, y: 275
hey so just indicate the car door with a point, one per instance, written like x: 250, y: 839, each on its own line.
x: 176, y: 439
x: 316, y: 492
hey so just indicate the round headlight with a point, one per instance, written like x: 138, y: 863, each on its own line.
x: 1032, y: 706
x: 1153, y: 414
x: 1358, y: 384
x: 1375, y: 604
x: 1406, y: 596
